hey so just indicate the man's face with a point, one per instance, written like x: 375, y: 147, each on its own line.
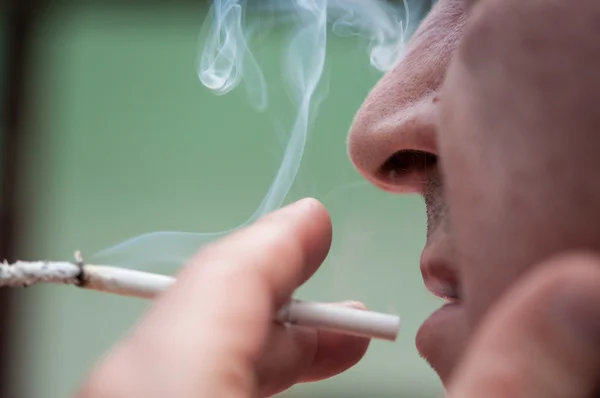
x: 394, y: 144
x: 491, y: 119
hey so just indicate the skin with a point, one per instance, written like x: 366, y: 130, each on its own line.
x: 204, y: 338
x: 501, y: 95
x: 402, y: 114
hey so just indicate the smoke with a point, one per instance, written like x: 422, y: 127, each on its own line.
x: 226, y: 61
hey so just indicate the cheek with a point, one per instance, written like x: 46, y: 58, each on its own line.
x: 519, y: 141
x: 471, y: 196
x: 484, y: 184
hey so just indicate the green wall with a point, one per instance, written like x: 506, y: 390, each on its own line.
x: 128, y: 141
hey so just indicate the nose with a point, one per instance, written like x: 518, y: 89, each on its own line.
x: 392, y: 142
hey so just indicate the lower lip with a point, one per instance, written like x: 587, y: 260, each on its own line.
x: 443, y: 311
x: 436, y: 328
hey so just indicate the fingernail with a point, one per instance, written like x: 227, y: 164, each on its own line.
x: 290, y: 209
x: 306, y: 202
x: 576, y: 312
x: 299, y: 202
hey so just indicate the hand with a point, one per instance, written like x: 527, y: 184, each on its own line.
x: 213, y: 335
x: 542, y: 340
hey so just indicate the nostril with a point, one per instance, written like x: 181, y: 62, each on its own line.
x: 395, y: 147
x: 407, y: 163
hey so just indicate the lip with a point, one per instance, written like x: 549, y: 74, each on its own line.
x: 439, y: 277
x: 439, y: 318
x: 441, y: 333
x: 439, y: 339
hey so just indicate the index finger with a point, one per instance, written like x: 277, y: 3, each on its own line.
x: 283, y: 250
x: 204, y: 336
x: 250, y: 273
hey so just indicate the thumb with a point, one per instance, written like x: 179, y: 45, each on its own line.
x: 541, y: 340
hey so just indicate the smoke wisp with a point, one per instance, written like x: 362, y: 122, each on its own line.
x: 226, y: 62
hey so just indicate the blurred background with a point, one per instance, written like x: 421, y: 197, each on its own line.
x: 107, y: 133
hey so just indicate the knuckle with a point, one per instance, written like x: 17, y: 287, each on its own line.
x: 234, y: 379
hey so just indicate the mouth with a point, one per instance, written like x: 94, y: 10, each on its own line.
x: 443, y: 288
x: 441, y: 334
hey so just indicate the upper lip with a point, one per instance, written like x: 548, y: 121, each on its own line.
x: 440, y: 277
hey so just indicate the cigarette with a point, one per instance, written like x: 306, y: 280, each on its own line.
x: 127, y: 282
